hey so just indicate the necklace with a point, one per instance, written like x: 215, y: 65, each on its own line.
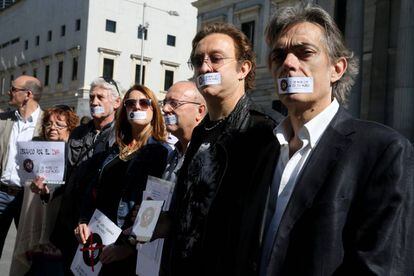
x: 216, y: 124
x: 127, y: 153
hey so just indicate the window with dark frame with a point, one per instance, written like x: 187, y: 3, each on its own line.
x: 248, y: 29
x: 49, y: 36
x: 138, y: 74
x: 34, y: 72
x: 108, y: 68
x: 60, y: 72
x: 110, y: 26
x: 63, y: 30
x: 78, y: 25
x: 47, y: 69
x: 171, y: 40
x: 142, y: 31
x: 26, y: 44
x: 168, y: 79
x: 75, y: 68
x: 37, y: 40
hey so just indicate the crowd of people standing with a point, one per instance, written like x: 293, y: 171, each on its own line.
x: 317, y: 192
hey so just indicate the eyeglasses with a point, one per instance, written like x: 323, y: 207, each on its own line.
x: 112, y: 82
x: 56, y: 125
x: 176, y: 103
x: 214, y: 61
x: 15, y: 89
x: 142, y: 103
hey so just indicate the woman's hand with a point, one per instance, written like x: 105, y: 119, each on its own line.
x: 112, y: 253
x: 38, y: 187
x: 82, y: 233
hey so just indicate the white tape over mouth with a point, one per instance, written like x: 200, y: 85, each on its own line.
x: 295, y: 85
x: 170, y: 119
x: 137, y: 115
x: 95, y: 110
x: 208, y: 79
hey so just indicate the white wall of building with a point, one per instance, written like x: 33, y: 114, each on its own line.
x: 30, y: 18
x: 125, y: 43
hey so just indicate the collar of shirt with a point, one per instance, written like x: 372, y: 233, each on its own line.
x: 311, y: 131
x: 31, y: 119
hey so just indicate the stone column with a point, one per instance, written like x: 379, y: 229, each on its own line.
x: 379, y: 67
x: 404, y: 81
x: 354, y: 36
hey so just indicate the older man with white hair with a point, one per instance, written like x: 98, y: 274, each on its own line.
x: 184, y: 108
x: 85, y: 141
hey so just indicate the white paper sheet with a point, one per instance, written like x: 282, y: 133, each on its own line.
x: 46, y: 159
x: 103, y: 232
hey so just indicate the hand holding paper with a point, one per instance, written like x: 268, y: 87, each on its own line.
x: 82, y: 233
x: 147, y: 219
x: 38, y: 186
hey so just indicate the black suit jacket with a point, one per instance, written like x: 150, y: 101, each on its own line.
x: 351, y: 210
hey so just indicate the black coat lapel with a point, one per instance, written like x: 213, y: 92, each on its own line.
x: 332, y: 144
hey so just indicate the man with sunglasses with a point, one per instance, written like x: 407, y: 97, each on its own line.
x: 18, y: 125
x: 85, y: 141
x: 215, y: 231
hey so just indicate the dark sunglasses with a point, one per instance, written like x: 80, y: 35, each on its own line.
x: 142, y: 103
x: 111, y: 81
x: 63, y: 107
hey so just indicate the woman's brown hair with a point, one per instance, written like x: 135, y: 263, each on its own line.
x: 72, y: 120
x: 123, y: 129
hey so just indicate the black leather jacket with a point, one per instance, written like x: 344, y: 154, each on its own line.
x: 220, y: 197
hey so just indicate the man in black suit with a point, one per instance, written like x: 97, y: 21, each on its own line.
x: 341, y: 199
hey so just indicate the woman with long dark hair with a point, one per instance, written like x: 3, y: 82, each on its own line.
x: 141, y: 150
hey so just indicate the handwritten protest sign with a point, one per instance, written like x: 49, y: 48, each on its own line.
x: 46, y: 159
x: 103, y: 232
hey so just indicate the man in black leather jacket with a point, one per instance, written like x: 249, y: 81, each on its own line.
x: 221, y: 188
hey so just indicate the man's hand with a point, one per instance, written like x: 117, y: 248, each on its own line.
x: 82, y: 233
x: 163, y: 227
x: 112, y: 253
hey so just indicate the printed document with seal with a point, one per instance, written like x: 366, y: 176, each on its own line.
x: 150, y: 253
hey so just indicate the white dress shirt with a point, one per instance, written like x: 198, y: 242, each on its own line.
x: 22, y: 131
x: 288, y: 169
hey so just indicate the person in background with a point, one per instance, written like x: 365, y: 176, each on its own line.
x: 18, y: 125
x: 183, y: 108
x: 342, y: 198
x: 140, y: 150
x: 85, y: 120
x: 85, y: 141
x: 33, y: 252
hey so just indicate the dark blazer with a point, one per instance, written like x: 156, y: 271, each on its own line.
x: 351, y: 211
